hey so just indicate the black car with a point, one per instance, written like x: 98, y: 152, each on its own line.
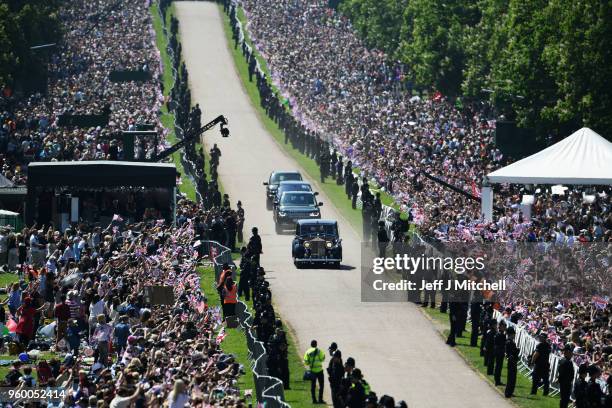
x: 293, y: 206
x: 275, y: 179
x: 317, y: 242
x: 285, y: 186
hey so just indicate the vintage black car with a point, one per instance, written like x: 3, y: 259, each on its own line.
x: 317, y: 242
x: 294, y: 206
x: 272, y: 184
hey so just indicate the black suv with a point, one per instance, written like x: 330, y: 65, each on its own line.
x: 317, y: 242
x: 272, y: 184
x: 295, y: 205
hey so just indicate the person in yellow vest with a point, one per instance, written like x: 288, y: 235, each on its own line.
x: 230, y: 297
x: 313, y: 359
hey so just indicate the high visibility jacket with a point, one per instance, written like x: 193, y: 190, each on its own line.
x: 313, y: 359
x: 231, y: 295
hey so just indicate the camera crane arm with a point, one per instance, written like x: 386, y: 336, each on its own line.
x: 192, y: 136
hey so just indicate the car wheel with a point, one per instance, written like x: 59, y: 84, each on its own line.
x: 336, y: 265
x: 268, y: 204
x: 297, y: 264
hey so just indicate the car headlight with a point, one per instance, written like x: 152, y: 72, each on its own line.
x: 314, y: 214
x: 306, y: 244
x: 282, y: 213
x: 329, y: 244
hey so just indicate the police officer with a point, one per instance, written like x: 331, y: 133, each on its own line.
x: 383, y: 240
x: 246, y: 271
x: 254, y: 246
x: 313, y: 359
x: 566, y: 376
x: 366, y: 215
x: 354, y: 192
x: 541, y: 370
x: 239, y: 221
x: 475, y: 313
x: 512, y: 353
x: 580, y: 387
x: 489, y: 343
x: 499, y: 349
x: 339, y: 176
x: 595, y: 395
x: 357, y: 392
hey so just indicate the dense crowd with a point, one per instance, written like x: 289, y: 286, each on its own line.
x: 345, y: 96
x: 118, y: 343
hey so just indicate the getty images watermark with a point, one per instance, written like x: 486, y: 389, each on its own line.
x: 502, y: 272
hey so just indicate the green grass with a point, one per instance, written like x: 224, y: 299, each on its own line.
x: 235, y: 343
x: 7, y: 279
x: 471, y: 355
x: 167, y: 117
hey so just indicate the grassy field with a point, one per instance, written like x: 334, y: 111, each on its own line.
x: 5, y: 280
x: 167, y: 118
x: 472, y: 356
x: 235, y: 343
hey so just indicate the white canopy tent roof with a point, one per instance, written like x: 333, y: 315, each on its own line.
x: 583, y: 158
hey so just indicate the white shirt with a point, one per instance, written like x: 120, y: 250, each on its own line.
x: 181, y: 400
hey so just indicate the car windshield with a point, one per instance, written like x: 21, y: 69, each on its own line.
x: 278, y: 177
x: 298, y: 199
x: 309, y: 229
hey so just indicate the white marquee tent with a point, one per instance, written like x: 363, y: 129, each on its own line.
x: 583, y: 158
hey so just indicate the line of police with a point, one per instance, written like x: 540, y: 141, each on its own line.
x: 497, y: 343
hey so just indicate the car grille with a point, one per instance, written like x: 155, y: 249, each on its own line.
x: 298, y: 215
x: 317, y: 248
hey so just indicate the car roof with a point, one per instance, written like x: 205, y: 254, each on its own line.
x: 286, y: 172
x: 316, y: 222
x: 294, y: 182
x: 299, y: 192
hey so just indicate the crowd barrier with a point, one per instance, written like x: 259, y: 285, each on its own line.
x: 269, y: 390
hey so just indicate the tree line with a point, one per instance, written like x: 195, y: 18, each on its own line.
x: 23, y: 25
x: 545, y: 63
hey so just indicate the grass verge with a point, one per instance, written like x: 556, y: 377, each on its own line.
x: 167, y: 118
x: 471, y: 355
x: 235, y: 343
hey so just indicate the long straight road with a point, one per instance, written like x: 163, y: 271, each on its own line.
x: 396, y: 347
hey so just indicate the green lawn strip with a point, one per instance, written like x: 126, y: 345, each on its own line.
x: 235, y: 343
x: 167, y: 118
x: 471, y: 355
x: 7, y: 279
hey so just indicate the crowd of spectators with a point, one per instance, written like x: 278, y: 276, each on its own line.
x: 117, y: 344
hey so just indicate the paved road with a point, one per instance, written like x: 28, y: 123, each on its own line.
x: 393, y: 343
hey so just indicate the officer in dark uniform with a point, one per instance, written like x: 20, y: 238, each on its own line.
x: 595, y: 395
x: 580, y: 387
x: 354, y: 192
x: 512, y: 353
x: 566, y: 376
x: 254, y: 246
x: 239, y: 221
x: 383, y: 239
x: 216, y: 196
x: 246, y: 272
x: 339, y: 167
x: 377, y: 205
x: 324, y: 165
x: 489, y: 351
x: 499, y: 350
x: 475, y: 313
x: 541, y: 369
x: 332, y: 164
x: 348, y: 184
x: 366, y: 215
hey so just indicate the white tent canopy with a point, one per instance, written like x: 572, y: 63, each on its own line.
x: 583, y: 158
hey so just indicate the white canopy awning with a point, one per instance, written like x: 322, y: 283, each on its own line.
x: 583, y: 158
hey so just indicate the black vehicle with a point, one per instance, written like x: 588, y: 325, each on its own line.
x: 285, y: 186
x: 294, y: 206
x: 317, y: 242
x: 275, y: 179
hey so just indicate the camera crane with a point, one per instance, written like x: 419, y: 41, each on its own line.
x: 194, y: 135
